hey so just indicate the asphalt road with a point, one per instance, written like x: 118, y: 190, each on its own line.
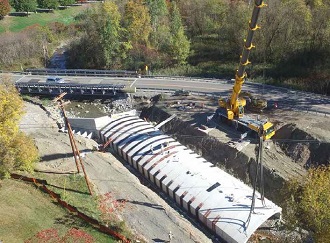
x: 285, y: 98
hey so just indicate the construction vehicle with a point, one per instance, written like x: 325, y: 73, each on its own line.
x: 254, y: 103
x: 231, y: 110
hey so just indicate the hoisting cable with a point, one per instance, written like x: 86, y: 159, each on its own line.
x: 262, y: 184
x: 254, y: 191
x: 259, y: 166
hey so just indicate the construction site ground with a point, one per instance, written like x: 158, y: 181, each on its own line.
x: 147, y: 214
x: 197, y: 109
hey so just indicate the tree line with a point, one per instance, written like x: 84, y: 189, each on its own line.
x: 31, y: 5
x: 205, y: 38
x: 130, y: 35
x: 292, y: 46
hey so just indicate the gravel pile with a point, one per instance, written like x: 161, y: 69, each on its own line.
x: 121, y: 105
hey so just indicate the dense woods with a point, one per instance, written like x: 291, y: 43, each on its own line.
x: 130, y: 35
x: 292, y: 46
x: 188, y: 37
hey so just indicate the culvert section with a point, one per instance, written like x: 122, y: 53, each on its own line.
x: 211, y: 196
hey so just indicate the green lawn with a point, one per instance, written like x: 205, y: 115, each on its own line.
x: 25, y: 210
x: 16, y: 24
x: 72, y: 189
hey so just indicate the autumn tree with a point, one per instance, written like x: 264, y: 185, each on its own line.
x: 315, y: 3
x: 158, y: 12
x: 307, y: 203
x: 317, y: 45
x: 4, y: 8
x: 87, y: 52
x: 233, y: 30
x: 179, y: 44
x: 121, y: 5
x: 111, y: 33
x: 17, y: 151
x: 137, y: 22
x: 284, y: 25
x: 103, y: 43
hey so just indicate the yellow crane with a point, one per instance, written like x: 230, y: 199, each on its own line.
x: 232, y: 110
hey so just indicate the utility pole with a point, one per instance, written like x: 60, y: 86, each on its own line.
x: 75, y: 150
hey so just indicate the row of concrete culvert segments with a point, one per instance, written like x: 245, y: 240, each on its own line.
x: 211, y: 196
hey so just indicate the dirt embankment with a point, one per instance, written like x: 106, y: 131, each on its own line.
x: 302, y: 147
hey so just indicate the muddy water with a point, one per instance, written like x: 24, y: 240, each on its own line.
x: 97, y: 107
x: 88, y: 109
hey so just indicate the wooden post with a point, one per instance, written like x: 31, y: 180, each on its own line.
x: 71, y: 142
x: 74, y: 147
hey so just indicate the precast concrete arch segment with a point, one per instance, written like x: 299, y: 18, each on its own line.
x: 213, y: 197
x: 139, y: 134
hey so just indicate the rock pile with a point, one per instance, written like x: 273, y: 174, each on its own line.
x: 121, y: 105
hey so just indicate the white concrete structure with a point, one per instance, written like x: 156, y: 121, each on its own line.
x: 94, y: 125
x: 216, y: 199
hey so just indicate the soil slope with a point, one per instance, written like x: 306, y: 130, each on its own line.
x: 145, y: 213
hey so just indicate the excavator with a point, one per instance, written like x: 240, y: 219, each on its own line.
x: 254, y: 103
x: 231, y: 111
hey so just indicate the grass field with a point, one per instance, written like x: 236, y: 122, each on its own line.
x: 16, y: 23
x: 25, y: 210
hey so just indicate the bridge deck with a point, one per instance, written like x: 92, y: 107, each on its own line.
x: 70, y: 88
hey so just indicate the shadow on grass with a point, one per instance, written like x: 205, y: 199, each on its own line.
x: 69, y: 220
x: 68, y: 189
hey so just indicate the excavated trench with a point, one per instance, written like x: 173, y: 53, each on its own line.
x: 302, y: 147
x: 220, y: 154
x: 238, y: 163
x: 291, y: 157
